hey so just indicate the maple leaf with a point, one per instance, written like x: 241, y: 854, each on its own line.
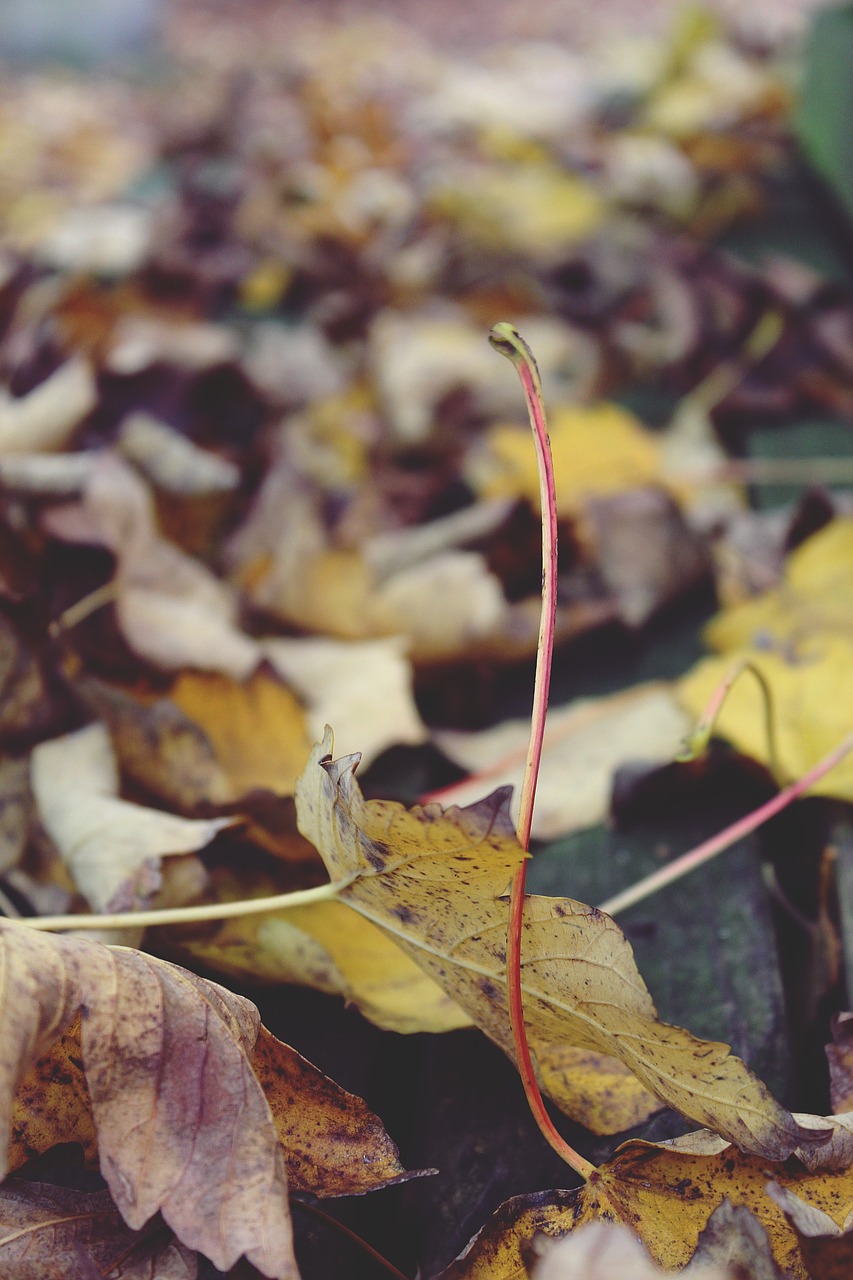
x: 434, y: 880
x: 191, y: 1100
x: 667, y: 1196
x: 53, y: 1233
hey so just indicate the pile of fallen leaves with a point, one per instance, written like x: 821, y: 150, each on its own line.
x: 260, y: 473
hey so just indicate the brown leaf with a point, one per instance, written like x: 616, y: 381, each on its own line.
x: 433, y: 881
x: 54, y: 1233
x: 840, y: 1057
x: 332, y: 1144
x: 183, y: 1126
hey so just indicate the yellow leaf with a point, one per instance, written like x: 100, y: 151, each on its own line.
x: 535, y: 209
x: 597, y: 449
x: 812, y: 697
x: 666, y: 1196
x: 257, y: 727
x: 816, y: 597
x: 431, y: 879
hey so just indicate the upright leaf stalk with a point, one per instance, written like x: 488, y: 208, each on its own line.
x: 509, y: 342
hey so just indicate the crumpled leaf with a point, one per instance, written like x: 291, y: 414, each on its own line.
x: 840, y: 1058
x: 811, y: 698
x: 433, y: 881
x: 585, y: 741
x: 111, y: 847
x: 51, y: 1233
x: 601, y: 1250
x: 826, y: 1246
x: 332, y: 1143
x: 668, y: 1197
x: 167, y: 1062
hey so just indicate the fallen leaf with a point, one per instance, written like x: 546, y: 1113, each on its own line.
x: 46, y: 1231
x: 256, y: 728
x: 173, y: 463
x: 584, y: 741
x: 332, y: 1144
x: 365, y: 686
x: 599, y: 1251
x: 814, y: 600
x: 44, y: 419
x: 810, y: 692
x: 111, y: 847
x: 596, y: 449
x: 735, y: 1240
x: 840, y: 1057
x: 328, y: 947
x: 826, y: 1246
x: 16, y: 811
x: 167, y: 1063
x: 667, y: 1197
x: 433, y: 881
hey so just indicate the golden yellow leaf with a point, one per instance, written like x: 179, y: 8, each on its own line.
x: 812, y: 695
x: 597, y: 449
x: 256, y: 727
x: 815, y: 599
x: 432, y: 880
x: 330, y: 948
x: 666, y: 1197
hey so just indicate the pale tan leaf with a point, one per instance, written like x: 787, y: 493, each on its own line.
x: 111, y: 847
x: 44, y: 419
x: 584, y: 743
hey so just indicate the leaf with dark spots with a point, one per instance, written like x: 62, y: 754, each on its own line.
x: 581, y: 985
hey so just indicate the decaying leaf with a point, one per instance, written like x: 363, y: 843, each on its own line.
x: 584, y: 743
x: 826, y: 1245
x: 167, y: 1065
x: 840, y: 1057
x: 433, y: 881
x: 196, y: 1111
x: 44, y: 419
x: 599, y: 1251
x: 111, y: 847
x: 667, y: 1197
x: 52, y: 1233
x: 327, y: 947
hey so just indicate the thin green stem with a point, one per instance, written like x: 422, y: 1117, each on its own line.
x: 187, y: 915
x: 696, y: 742
x: 508, y: 342
x: 724, y: 839
x: 82, y: 609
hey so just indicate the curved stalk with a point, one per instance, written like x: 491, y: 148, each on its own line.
x: 509, y: 342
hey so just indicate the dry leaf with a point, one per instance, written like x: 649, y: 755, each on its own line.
x: 330, y: 948
x: 584, y: 743
x: 667, y: 1196
x: 111, y: 847
x: 600, y: 1251
x: 171, y: 461
x: 332, y: 1144
x: 826, y: 1246
x: 44, y: 419
x: 814, y: 600
x: 167, y: 1062
x: 840, y: 1057
x: 52, y: 1233
x: 433, y: 881
x: 365, y: 686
